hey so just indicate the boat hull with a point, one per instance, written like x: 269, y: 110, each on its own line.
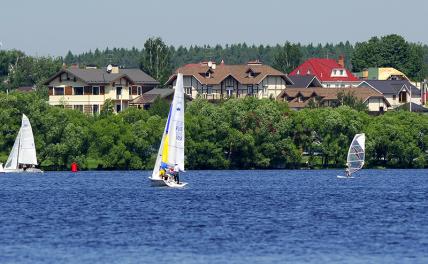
x: 29, y: 170
x: 166, y: 183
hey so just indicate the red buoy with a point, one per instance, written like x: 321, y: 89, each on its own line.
x: 74, y: 167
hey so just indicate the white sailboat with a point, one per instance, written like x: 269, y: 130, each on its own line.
x: 23, y: 157
x: 171, y: 150
x: 356, y: 155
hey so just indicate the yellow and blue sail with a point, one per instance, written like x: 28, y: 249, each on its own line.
x: 165, y: 143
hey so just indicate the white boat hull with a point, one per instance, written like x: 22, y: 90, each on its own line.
x: 344, y: 177
x: 166, y: 183
x: 29, y: 170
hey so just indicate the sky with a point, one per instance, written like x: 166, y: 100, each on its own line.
x: 53, y: 27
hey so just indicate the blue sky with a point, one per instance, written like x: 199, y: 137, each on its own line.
x: 52, y: 27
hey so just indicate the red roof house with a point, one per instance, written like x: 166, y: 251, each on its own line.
x: 331, y: 73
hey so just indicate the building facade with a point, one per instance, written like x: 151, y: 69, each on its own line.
x: 214, y: 82
x: 396, y: 92
x: 299, y: 98
x: 87, y: 89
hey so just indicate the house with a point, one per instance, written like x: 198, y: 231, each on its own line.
x: 331, y: 73
x: 384, y: 73
x: 298, y: 98
x: 87, y: 89
x: 148, y: 98
x: 213, y: 82
x: 26, y: 89
x: 397, y: 92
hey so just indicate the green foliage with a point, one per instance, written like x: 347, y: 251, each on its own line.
x: 234, y: 134
x: 156, y: 59
x: 288, y: 57
x: 349, y: 99
x: 390, y: 51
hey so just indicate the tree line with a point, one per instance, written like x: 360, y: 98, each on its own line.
x: 244, y: 133
x: 159, y: 60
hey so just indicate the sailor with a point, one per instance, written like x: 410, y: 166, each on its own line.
x: 176, y: 171
x: 347, y: 172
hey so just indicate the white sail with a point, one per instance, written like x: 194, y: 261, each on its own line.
x: 12, y: 160
x: 176, y: 126
x: 171, y: 149
x: 27, y: 148
x: 356, y: 153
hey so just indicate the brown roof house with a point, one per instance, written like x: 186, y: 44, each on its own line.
x: 299, y: 98
x: 219, y: 81
x: 87, y: 89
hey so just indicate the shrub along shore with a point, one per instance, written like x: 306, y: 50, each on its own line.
x: 235, y: 134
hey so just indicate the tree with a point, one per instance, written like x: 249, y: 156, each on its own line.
x: 390, y: 51
x: 156, y: 59
x: 287, y: 58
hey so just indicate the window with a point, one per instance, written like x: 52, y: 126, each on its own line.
x: 229, y: 91
x: 118, y: 91
x: 188, y: 90
x: 78, y: 90
x: 250, y: 89
x: 208, y: 74
x: 403, y: 97
x: 209, y: 89
x: 394, y: 97
x: 118, y: 108
x: 78, y: 107
x: 130, y: 90
x: 334, y: 72
x: 58, y: 90
x: 95, y: 109
x: 341, y: 72
x: 139, y: 90
x: 95, y: 90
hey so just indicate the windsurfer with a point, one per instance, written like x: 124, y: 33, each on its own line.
x: 347, y: 172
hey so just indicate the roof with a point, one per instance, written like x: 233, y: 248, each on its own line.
x: 222, y: 71
x: 322, y: 68
x: 304, y: 81
x: 97, y: 76
x: 362, y: 93
x: 150, y: 96
x: 391, y: 86
x: 415, y: 108
x: 25, y: 89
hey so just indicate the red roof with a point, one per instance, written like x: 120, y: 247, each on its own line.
x: 322, y: 68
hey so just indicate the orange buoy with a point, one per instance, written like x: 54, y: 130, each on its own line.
x: 74, y: 167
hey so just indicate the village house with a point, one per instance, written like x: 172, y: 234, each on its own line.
x: 213, y: 82
x: 298, y: 98
x: 87, y: 89
x: 396, y: 92
x: 331, y: 73
x: 382, y: 73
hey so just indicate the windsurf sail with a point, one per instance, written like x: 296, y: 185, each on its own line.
x: 356, y: 153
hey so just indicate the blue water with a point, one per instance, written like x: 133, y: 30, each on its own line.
x: 381, y: 216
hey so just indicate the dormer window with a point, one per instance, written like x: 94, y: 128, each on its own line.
x: 250, y: 74
x: 208, y: 74
x: 338, y: 73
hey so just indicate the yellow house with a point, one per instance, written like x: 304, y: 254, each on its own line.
x: 87, y: 89
x: 384, y: 73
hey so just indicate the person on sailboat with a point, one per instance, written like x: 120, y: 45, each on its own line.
x: 176, y: 172
x: 347, y: 171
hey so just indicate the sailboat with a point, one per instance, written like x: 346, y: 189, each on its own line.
x: 356, y: 155
x: 23, y: 157
x: 171, y: 150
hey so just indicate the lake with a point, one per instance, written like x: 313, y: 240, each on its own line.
x: 381, y: 216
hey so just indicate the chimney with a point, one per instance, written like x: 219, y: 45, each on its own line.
x: 115, y: 69
x: 341, y: 61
